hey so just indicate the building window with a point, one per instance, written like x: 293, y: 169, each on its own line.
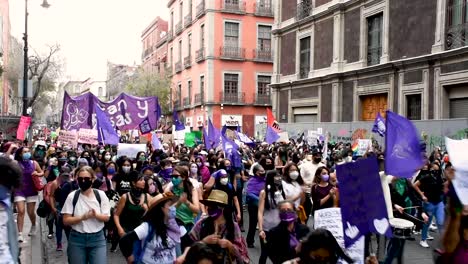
x: 264, y: 38
x: 202, y: 84
x: 231, y: 82
x: 374, y: 39
x: 231, y: 34
x: 413, y: 107
x: 171, y: 59
x: 189, y: 45
x: 180, y: 50
x: 457, y: 24
x: 181, y: 11
x: 304, y: 63
x: 262, y: 85
x: 172, y: 21
x: 189, y: 90
x: 202, y: 36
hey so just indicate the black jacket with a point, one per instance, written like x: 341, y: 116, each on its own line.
x: 278, y: 247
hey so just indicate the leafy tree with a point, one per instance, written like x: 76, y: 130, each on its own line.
x: 145, y: 84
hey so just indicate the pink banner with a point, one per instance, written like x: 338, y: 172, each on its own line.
x: 25, y: 121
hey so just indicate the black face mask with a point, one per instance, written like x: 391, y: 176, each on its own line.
x: 84, y: 183
x: 317, y: 160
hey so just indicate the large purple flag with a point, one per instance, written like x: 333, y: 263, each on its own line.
x: 212, y: 139
x: 178, y: 125
x: 362, y: 211
x: 379, y: 125
x: 403, y: 155
x: 125, y: 112
x: 230, y: 149
x: 106, y: 133
x: 245, y: 139
x: 271, y: 135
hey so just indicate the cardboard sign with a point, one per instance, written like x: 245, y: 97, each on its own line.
x: 363, y: 146
x: 330, y: 219
x: 283, y: 137
x: 68, y: 138
x: 130, y: 150
x: 88, y: 136
x: 167, y: 138
x: 312, y: 136
x: 457, y: 151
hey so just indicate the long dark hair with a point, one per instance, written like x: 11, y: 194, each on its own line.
x: 208, y: 227
x: 322, y: 238
x: 156, y: 218
x: 270, y: 189
x: 188, y: 186
x: 287, y: 178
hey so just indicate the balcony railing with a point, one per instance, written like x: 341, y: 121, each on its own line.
x: 263, y: 8
x: 178, y: 67
x: 201, y: 9
x: 233, y: 6
x: 186, y: 101
x: 200, y: 55
x: 188, y: 20
x: 198, y: 99
x: 304, y: 72
x: 188, y: 61
x: 168, y: 69
x: 178, y: 28
x: 176, y: 104
x: 263, y: 99
x: 457, y: 25
x: 232, y: 53
x: 160, y: 42
x: 263, y: 55
x: 304, y: 9
x: 232, y: 98
x: 170, y: 35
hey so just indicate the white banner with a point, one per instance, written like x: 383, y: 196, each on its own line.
x: 459, y: 158
x: 130, y: 150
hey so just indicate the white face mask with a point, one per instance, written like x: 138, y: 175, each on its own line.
x: 349, y: 159
x: 193, y: 170
x: 224, y: 181
x: 107, y: 157
x: 126, y: 169
x: 293, y: 175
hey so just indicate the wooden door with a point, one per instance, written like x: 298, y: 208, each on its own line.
x: 371, y: 105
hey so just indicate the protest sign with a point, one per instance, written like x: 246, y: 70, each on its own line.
x: 167, y: 138
x: 68, y: 138
x: 189, y: 139
x: 330, y: 219
x: 362, y: 212
x: 283, y: 137
x: 88, y: 136
x: 363, y: 146
x: 312, y: 136
x: 457, y: 151
x: 130, y: 150
x: 23, y: 125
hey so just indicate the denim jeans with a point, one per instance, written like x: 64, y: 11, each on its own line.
x: 59, y: 228
x: 87, y: 248
x: 432, y: 210
x: 395, y: 250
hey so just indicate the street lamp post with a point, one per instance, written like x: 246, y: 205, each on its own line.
x: 44, y: 4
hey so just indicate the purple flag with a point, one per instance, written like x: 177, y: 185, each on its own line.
x: 212, y: 139
x: 106, y: 133
x: 155, y: 141
x: 230, y: 149
x: 125, y: 112
x: 145, y: 127
x: 178, y: 125
x: 379, y: 125
x: 403, y: 154
x: 158, y: 112
x: 271, y: 135
x: 245, y: 139
x: 362, y: 212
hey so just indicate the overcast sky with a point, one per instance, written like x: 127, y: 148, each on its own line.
x: 90, y: 32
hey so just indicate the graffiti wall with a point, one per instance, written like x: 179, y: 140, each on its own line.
x: 432, y: 131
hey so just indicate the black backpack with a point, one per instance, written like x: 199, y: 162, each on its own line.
x: 77, y: 195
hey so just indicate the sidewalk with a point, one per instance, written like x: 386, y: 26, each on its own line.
x: 31, y: 248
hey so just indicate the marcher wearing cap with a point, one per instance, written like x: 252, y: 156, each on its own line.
x: 307, y: 170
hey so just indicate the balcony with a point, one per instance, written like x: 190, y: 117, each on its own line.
x: 201, y: 9
x: 457, y: 25
x: 304, y: 72
x: 232, y: 53
x: 178, y: 67
x: 186, y: 102
x: 263, y: 99
x: 160, y: 42
x: 178, y: 28
x: 176, y: 105
x: 188, y: 61
x: 200, y: 55
x: 188, y: 20
x: 198, y: 99
x: 304, y: 9
x: 233, y: 6
x: 263, y: 55
x: 232, y: 98
x: 168, y: 70
x: 264, y: 8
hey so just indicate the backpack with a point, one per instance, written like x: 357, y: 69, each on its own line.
x: 77, y: 195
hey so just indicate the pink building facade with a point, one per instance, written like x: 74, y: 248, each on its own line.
x: 7, y: 97
x: 220, y: 56
x: 154, y: 55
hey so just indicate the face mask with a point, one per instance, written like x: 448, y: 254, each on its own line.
x: 224, y: 181
x: 277, y: 181
x: 317, y: 160
x: 142, y: 158
x: 107, y: 157
x: 26, y: 156
x: 111, y: 171
x: 349, y: 159
x: 62, y: 160
x: 72, y: 159
x: 325, y: 177
x: 152, y: 189
x: 84, y: 183
x: 288, y: 216
x: 193, y: 170
x: 228, y: 168
x: 172, y: 212
x: 294, y: 175
x: 199, y: 164
x: 207, y: 164
x: 215, y: 212
x: 176, y: 181
x: 99, y: 175
x: 101, y: 151
x: 126, y: 169
x: 166, y: 173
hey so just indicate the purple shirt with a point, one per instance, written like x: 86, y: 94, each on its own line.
x: 256, y: 185
x: 27, y: 188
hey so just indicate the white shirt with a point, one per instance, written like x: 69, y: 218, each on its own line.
x: 83, y: 205
x: 308, y: 169
x: 155, y: 251
x: 292, y: 190
x: 5, y: 254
